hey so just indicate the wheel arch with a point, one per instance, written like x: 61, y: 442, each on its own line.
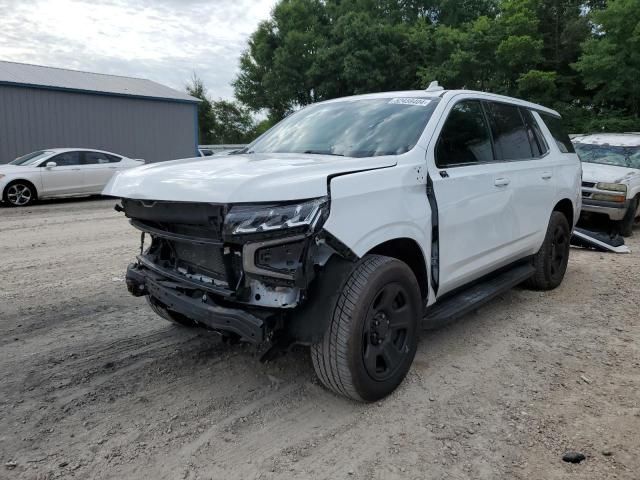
x: 21, y: 180
x: 565, y: 206
x: 408, y: 251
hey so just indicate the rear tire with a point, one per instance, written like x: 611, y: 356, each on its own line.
x: 372, y: 336
x: 19, y: 194
x: 626, y: 224
x: 168, y: 315
x: 551, y: 260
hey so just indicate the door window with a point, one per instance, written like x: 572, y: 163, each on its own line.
x: 536, y: 139
x: 65, y: 159
x: 510, y: 137
x: 95, y: 158
x: 465, y: 138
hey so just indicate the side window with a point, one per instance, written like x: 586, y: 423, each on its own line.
x: 93, y: 158
x: 559, y: 133
x: 465, y: 137
x: 536, y: 138
x: 112, y: 158
x: 510, y: 138
x: 65, y: 159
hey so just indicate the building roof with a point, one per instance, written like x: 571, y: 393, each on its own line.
x: 36, y: 76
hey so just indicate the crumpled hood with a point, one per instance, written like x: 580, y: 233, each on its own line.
x: 237, y: 178
x: 596, y: 172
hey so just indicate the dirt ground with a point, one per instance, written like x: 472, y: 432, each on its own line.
x: 94, y: 385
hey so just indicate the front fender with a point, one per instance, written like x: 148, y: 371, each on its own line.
x: 373, y: 207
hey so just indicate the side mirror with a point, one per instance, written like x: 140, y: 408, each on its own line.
x: 51, y: 164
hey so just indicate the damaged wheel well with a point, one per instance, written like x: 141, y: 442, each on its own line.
x: 409, y: 252
x: 566, y: 208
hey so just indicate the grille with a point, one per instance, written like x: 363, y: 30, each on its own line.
x: 588, y: 184
x: 201, y: 259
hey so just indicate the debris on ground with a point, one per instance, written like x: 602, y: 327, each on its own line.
x: 573, y: 457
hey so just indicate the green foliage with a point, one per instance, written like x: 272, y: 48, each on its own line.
x: 205, y: 114
x: 610, y: 64
x: 233, y: 123
x: 581, y: 57
x: 222, y: 121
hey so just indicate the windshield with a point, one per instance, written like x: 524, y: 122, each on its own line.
x: 350, y: 128
x: 30, y: 158
x: 609, y: 155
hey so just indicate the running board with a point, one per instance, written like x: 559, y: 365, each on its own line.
x: 469, y: 299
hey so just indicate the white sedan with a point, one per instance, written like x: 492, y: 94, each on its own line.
x: 59, y: 172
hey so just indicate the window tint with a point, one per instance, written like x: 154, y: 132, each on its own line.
x: 65, y: 159
x: 465, y: 137
x: 559, y: 133
x: 536, y: 138
x: 93, y: 158
x: 510, y: 138
x: 113, y: 158
x: 206, y: 152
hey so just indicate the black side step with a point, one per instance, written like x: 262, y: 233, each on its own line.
x: 469, y: 299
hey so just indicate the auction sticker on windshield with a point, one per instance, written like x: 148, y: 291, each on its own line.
x: 420, y: 102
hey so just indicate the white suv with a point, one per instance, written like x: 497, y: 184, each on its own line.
x: 611, y: 176
x: 355, y: 222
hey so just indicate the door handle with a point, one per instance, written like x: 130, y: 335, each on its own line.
x: 501, y: 182
x: 113, y: 168
x: 75, y: 169
x: 546, y: 175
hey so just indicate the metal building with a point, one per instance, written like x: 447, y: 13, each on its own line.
x: 43, y: 107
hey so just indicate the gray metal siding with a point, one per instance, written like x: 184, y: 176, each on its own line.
x: 33, y: 119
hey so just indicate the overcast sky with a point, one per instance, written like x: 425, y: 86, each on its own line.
x: 163, y: 40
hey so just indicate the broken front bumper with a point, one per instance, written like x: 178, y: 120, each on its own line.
x: 202, y: 309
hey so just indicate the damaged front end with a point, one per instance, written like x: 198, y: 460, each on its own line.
x: 236, y: 269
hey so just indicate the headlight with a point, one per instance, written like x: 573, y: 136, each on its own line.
x: 245, y: 219
x: 609, y: 197
x: 614, y: 187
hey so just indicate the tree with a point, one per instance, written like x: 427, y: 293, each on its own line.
x: 312, y: 50
x: 232, y: 123
x: 610, y: 64
x: 205, y: 114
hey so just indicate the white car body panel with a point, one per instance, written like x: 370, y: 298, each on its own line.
x: 238, y: 178
x: 66, y: 180
x: 483, y: 225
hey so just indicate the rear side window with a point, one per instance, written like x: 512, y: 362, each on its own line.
x: 113, y: 158
x: 465, y: 137
x: 510, y: 138
x: 93, y: 158
x: 555, y: 126
x: 536, y: 138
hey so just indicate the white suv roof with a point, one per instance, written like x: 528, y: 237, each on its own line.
x: 617, y: 139
x: 447, y: 94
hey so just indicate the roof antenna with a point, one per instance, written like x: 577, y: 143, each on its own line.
x: 434, y: 87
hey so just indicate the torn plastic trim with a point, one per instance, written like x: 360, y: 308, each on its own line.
x: 249, y: 251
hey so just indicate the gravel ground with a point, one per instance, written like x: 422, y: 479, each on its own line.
x: 93, y: 385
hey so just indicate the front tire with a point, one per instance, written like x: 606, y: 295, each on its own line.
x: 551, y: 260
x: 19, y: 194
x: 372, y: 336
x: 626, y: 224
x: 168, y: 315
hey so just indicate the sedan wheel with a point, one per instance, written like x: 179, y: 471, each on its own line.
x: 19, y: 194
